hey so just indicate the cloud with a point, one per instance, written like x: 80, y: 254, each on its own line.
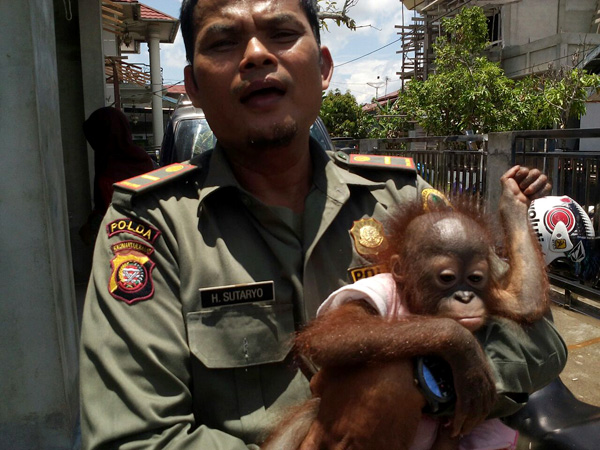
x: 383, y: 15
x: 347, y: 45
x: 173, y: 60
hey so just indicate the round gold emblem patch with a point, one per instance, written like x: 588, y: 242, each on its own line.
x: 369, y: 236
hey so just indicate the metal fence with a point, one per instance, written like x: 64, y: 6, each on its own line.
x: 451, y: 164
x: 459, y: 164
x: 473, y: 164
x: 557, y: 153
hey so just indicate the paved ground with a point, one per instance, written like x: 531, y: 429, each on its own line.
x: 582, y: 335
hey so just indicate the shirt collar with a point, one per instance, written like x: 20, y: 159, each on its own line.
x: 328, y: 177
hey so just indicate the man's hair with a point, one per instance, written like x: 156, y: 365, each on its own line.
x: 188, y: 31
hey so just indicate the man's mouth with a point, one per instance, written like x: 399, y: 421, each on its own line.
x: 262, y: 93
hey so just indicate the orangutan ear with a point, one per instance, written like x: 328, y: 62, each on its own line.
x: 396, y: 269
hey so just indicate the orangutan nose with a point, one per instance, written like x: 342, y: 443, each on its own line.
x: 464, y: 296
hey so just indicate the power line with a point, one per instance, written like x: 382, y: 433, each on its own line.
x: 399, y: 39
x: 367, y: 54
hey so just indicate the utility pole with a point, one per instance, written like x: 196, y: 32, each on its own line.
x: 377, y: 85
x: 387, y: 79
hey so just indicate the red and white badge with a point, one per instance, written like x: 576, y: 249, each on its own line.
x: 131, y: 277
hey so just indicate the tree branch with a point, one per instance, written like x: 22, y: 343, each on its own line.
x: 339, y: 17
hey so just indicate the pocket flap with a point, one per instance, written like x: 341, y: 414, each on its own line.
x: 241, y: 335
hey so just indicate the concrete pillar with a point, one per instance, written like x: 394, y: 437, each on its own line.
x: 156, y: 82
x: 92, y: 57
x: 92, y: 65
x: 367, y: 146
x: 38, y: 320
x: 499, y: 160
x: 75, y: 152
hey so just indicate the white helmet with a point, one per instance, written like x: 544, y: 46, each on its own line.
x: 562, y: 227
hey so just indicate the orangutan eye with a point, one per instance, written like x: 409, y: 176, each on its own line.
x: 447, y: 277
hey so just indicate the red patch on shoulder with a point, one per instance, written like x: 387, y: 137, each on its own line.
x: 131, y: 277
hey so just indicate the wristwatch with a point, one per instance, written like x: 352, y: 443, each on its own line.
x: 433, y: 376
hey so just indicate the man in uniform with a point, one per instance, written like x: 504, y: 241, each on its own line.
x: 204, y: 270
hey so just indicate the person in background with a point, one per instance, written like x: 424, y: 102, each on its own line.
x: 116, y: 158
x: 203, y: 273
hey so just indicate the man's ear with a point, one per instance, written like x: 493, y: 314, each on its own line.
x: 191, y: 86
x: 326, y: 67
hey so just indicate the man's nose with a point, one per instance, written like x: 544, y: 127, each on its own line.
x: 257, y: 54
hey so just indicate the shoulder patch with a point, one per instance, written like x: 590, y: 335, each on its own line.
x: 131, y: 277
x: 434, y: 200
x: 147, y: 181
x: 133, y: 227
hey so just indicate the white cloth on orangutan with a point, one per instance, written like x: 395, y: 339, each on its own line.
x: 380, y: 292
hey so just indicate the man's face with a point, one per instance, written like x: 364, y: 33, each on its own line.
x: 257, y: 72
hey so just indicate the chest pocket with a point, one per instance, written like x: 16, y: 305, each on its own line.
x: 242, y: 335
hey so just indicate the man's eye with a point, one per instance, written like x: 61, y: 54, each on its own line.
x: 285, y: 35
x: 222, y: 44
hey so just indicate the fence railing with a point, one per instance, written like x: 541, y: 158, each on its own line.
x: 456, y: 164
x: 557, y: 153
x: 474, y: 164
x: 451, y: 164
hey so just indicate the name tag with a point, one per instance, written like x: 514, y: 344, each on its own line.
x: 237, y: 294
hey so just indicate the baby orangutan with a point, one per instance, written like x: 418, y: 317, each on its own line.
x: 445, y: 281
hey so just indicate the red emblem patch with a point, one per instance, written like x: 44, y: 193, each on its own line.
x: 131, y: 277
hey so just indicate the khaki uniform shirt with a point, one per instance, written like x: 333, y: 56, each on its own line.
x: 197, y: 289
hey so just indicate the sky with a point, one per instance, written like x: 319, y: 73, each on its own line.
x: 375, y: 19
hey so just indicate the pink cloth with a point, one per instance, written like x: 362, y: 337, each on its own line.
x: 380, y: 292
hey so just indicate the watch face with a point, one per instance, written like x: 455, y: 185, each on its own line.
x: 437, y: 376
x: 431, y: 383
x: 434, y: 376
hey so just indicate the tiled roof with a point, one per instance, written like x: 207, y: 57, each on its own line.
x: 153, y: 14
x: 384, y: 98
x: 175, y: 89
x: 149, y: 13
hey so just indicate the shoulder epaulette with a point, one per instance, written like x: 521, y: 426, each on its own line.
x: 158, y: 177
x: 374, y: 161
x: 375, y: 167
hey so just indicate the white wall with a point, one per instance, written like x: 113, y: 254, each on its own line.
x: 591, y: 119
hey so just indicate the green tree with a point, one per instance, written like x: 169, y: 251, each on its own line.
x: 469, y: 92
x: 566, y: 91
x: 341, y: 114
x: 385, y: 123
